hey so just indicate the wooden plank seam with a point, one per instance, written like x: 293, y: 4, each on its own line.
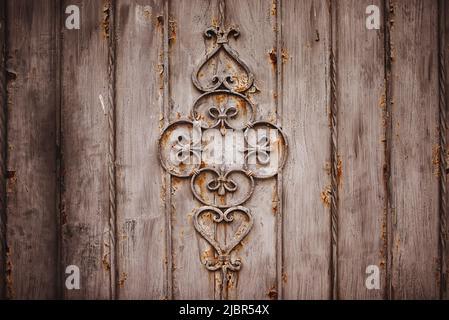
x: 387, y: 149
x: 279, y: 101
x: 167, y: 176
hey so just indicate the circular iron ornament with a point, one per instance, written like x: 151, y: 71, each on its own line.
x: 177, y: 145
x: 222, y: 180
x: 258, y: 169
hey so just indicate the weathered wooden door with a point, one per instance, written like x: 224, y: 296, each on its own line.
x: 224, y: 149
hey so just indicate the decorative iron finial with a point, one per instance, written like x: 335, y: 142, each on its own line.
x: 221, y: 33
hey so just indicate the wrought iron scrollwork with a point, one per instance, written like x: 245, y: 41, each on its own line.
x: 224, y: 260
x: 223, y: 78
x: 221, y: 186
x: 221, y: 183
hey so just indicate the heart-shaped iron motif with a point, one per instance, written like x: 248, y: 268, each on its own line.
x: 228, y: 77
x: 224, y: 262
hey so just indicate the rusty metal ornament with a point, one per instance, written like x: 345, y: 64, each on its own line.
x: 221, y: 184
x: 223, y: 105
x: 224, y: 262
x: 222, y: 79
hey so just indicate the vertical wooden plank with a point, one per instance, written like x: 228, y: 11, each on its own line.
x: 86, y: 227
x: 31, y: 164
x: 60, y: 273
x: 414, y: 175
x: 188, y: 21
x: 443, y: 11
x: 140, y: 202
x: 167, y: 179
x: 3, y: 146
x: 361, y: 138
x: 256, y: 46
x: 306, y: 175
x: 279, y: 179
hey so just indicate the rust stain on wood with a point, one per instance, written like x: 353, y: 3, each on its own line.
x: 284, y: 277
x: 436, y: 160
x: 328, y: 170
x: 231, y: 283
x: 214, y: 21
x: 105, y: 262
x: 273, y: 9
x: 391, y: 27
x: 326, y: 196
x: 285, y: 55
x: 272, y: 293
x: 105, y: 22
x: 172, y: 25
x: 339, y: 170
x: 122, y: 280
x: 207, y: 254
x: 273, y: 57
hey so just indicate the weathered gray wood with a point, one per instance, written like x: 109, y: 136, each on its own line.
x: 361, y: 140
x: 3, y: 146
x: 31, y: 263
x: 414, y: 175
x: 257, y: 22
x: 188, y: 20
x: 306, y: 175
x: 86, y: 238
x: 154, y: 212
x: 140, y: 200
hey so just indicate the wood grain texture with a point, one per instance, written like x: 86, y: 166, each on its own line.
x: 140, y: 202
x: 443, y: 10
x: 361, y: 138
x: 257, y: 22
x: 188, y: 21
x: 68, y: 110
x: 414, y: 177
x: 306, y: 175
x: 31, y: 164
x: 86, y: 239
x: 3, y: 146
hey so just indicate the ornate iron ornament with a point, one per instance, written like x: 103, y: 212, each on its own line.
x: 222, y: 183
